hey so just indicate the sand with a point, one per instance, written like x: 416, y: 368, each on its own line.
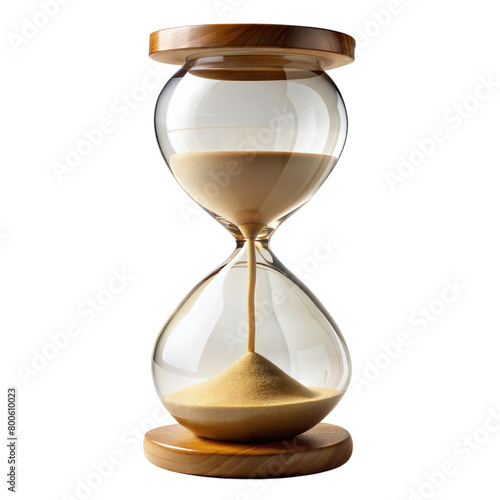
x: 250, y: 231
x: 253, y: 400
x: 248, y: 187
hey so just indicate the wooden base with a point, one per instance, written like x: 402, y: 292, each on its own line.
x: 322, y: 448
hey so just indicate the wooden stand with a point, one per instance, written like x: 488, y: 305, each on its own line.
x: 322, y: 448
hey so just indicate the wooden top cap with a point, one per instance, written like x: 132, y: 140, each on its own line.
x: 172, y: 46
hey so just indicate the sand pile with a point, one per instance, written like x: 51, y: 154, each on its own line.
x: 252, y: 400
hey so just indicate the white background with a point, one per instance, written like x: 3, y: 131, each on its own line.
x: 418, y: 66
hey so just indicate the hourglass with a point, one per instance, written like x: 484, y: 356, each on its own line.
x: 250, y: 362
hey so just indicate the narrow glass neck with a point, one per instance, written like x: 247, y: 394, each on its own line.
x: 260, y: 245
x: 263, y: 237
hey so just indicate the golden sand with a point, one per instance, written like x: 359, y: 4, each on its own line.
x: 247, y: 187
x: 252, y: 400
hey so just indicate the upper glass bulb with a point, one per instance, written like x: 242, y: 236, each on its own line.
x: 270, y: 128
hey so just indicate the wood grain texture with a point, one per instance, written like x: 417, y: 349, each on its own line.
x: 331, y: 48
x: 322, y: 448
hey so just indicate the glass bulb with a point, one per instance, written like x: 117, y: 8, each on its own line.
x: 244, y: 113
